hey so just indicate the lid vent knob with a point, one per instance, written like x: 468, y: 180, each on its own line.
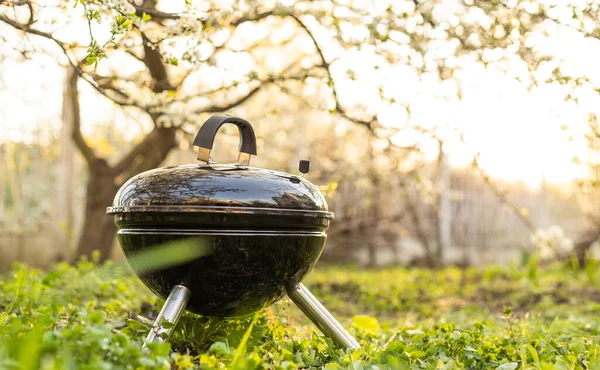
x: 304, y: 166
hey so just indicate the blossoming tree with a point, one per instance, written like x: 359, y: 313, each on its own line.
x: 174, y: 61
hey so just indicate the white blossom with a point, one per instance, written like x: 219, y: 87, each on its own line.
x: 552, y: 242
x: 123, y: 6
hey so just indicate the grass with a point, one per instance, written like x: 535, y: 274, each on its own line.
x: 95, y: 317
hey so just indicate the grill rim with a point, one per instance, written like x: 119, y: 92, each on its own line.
x: 115, y: 210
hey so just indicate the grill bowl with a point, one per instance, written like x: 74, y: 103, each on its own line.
x: 234, y: 273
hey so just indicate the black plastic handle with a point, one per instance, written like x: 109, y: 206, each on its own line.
x: 206, y: 137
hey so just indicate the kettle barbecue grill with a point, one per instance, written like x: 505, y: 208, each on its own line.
x: 258, y: 233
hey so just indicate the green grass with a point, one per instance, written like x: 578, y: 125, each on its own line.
x: 90, y: 317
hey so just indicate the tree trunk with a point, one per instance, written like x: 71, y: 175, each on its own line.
x: 66, y: 188
x: 583, y: 245
x: 374, y: 230
x: 443, y: 215
x: 412, y: 211
x: 98, y: 229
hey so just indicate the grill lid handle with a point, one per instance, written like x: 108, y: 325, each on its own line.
x: 206, y: 136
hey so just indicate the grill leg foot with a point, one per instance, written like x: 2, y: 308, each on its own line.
x: 170, y: 313
x: 319, y: 315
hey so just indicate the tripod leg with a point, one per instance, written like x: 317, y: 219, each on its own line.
x: 319, y: 315
x: 170, y: 313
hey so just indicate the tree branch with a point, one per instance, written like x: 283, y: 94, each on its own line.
x: 158, y: 141
x: 235, y: 103
x: 503, y: 198
x: 71, y: 98
x: 15, y: 3
x: 327, y: 67
x: 157, y: 14
x: 253, y: 18
x: 223, y: 108
x: 64, y: 47
x: 28, y: 29
x: 72, y: 77
x: 153, y: 61
x: 590, y: 35
x: 413, y: 212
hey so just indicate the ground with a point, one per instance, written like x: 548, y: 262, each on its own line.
x: 519, y: 317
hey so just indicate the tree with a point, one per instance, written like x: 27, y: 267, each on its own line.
x: 583, y: 20
x: 160, y: 86
x: 184, y: 67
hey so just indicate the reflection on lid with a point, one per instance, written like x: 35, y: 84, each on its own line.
x: 216, y: 186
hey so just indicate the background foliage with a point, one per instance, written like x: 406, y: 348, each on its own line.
x: 142, y: 75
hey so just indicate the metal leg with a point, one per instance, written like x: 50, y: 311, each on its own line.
x: 171, y: 312
x: 319, y: 315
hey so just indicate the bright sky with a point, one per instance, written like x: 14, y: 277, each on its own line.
x: 519, y: 133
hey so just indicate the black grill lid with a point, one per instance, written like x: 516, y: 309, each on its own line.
x: 217, y: 188
x: 198, y: 188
